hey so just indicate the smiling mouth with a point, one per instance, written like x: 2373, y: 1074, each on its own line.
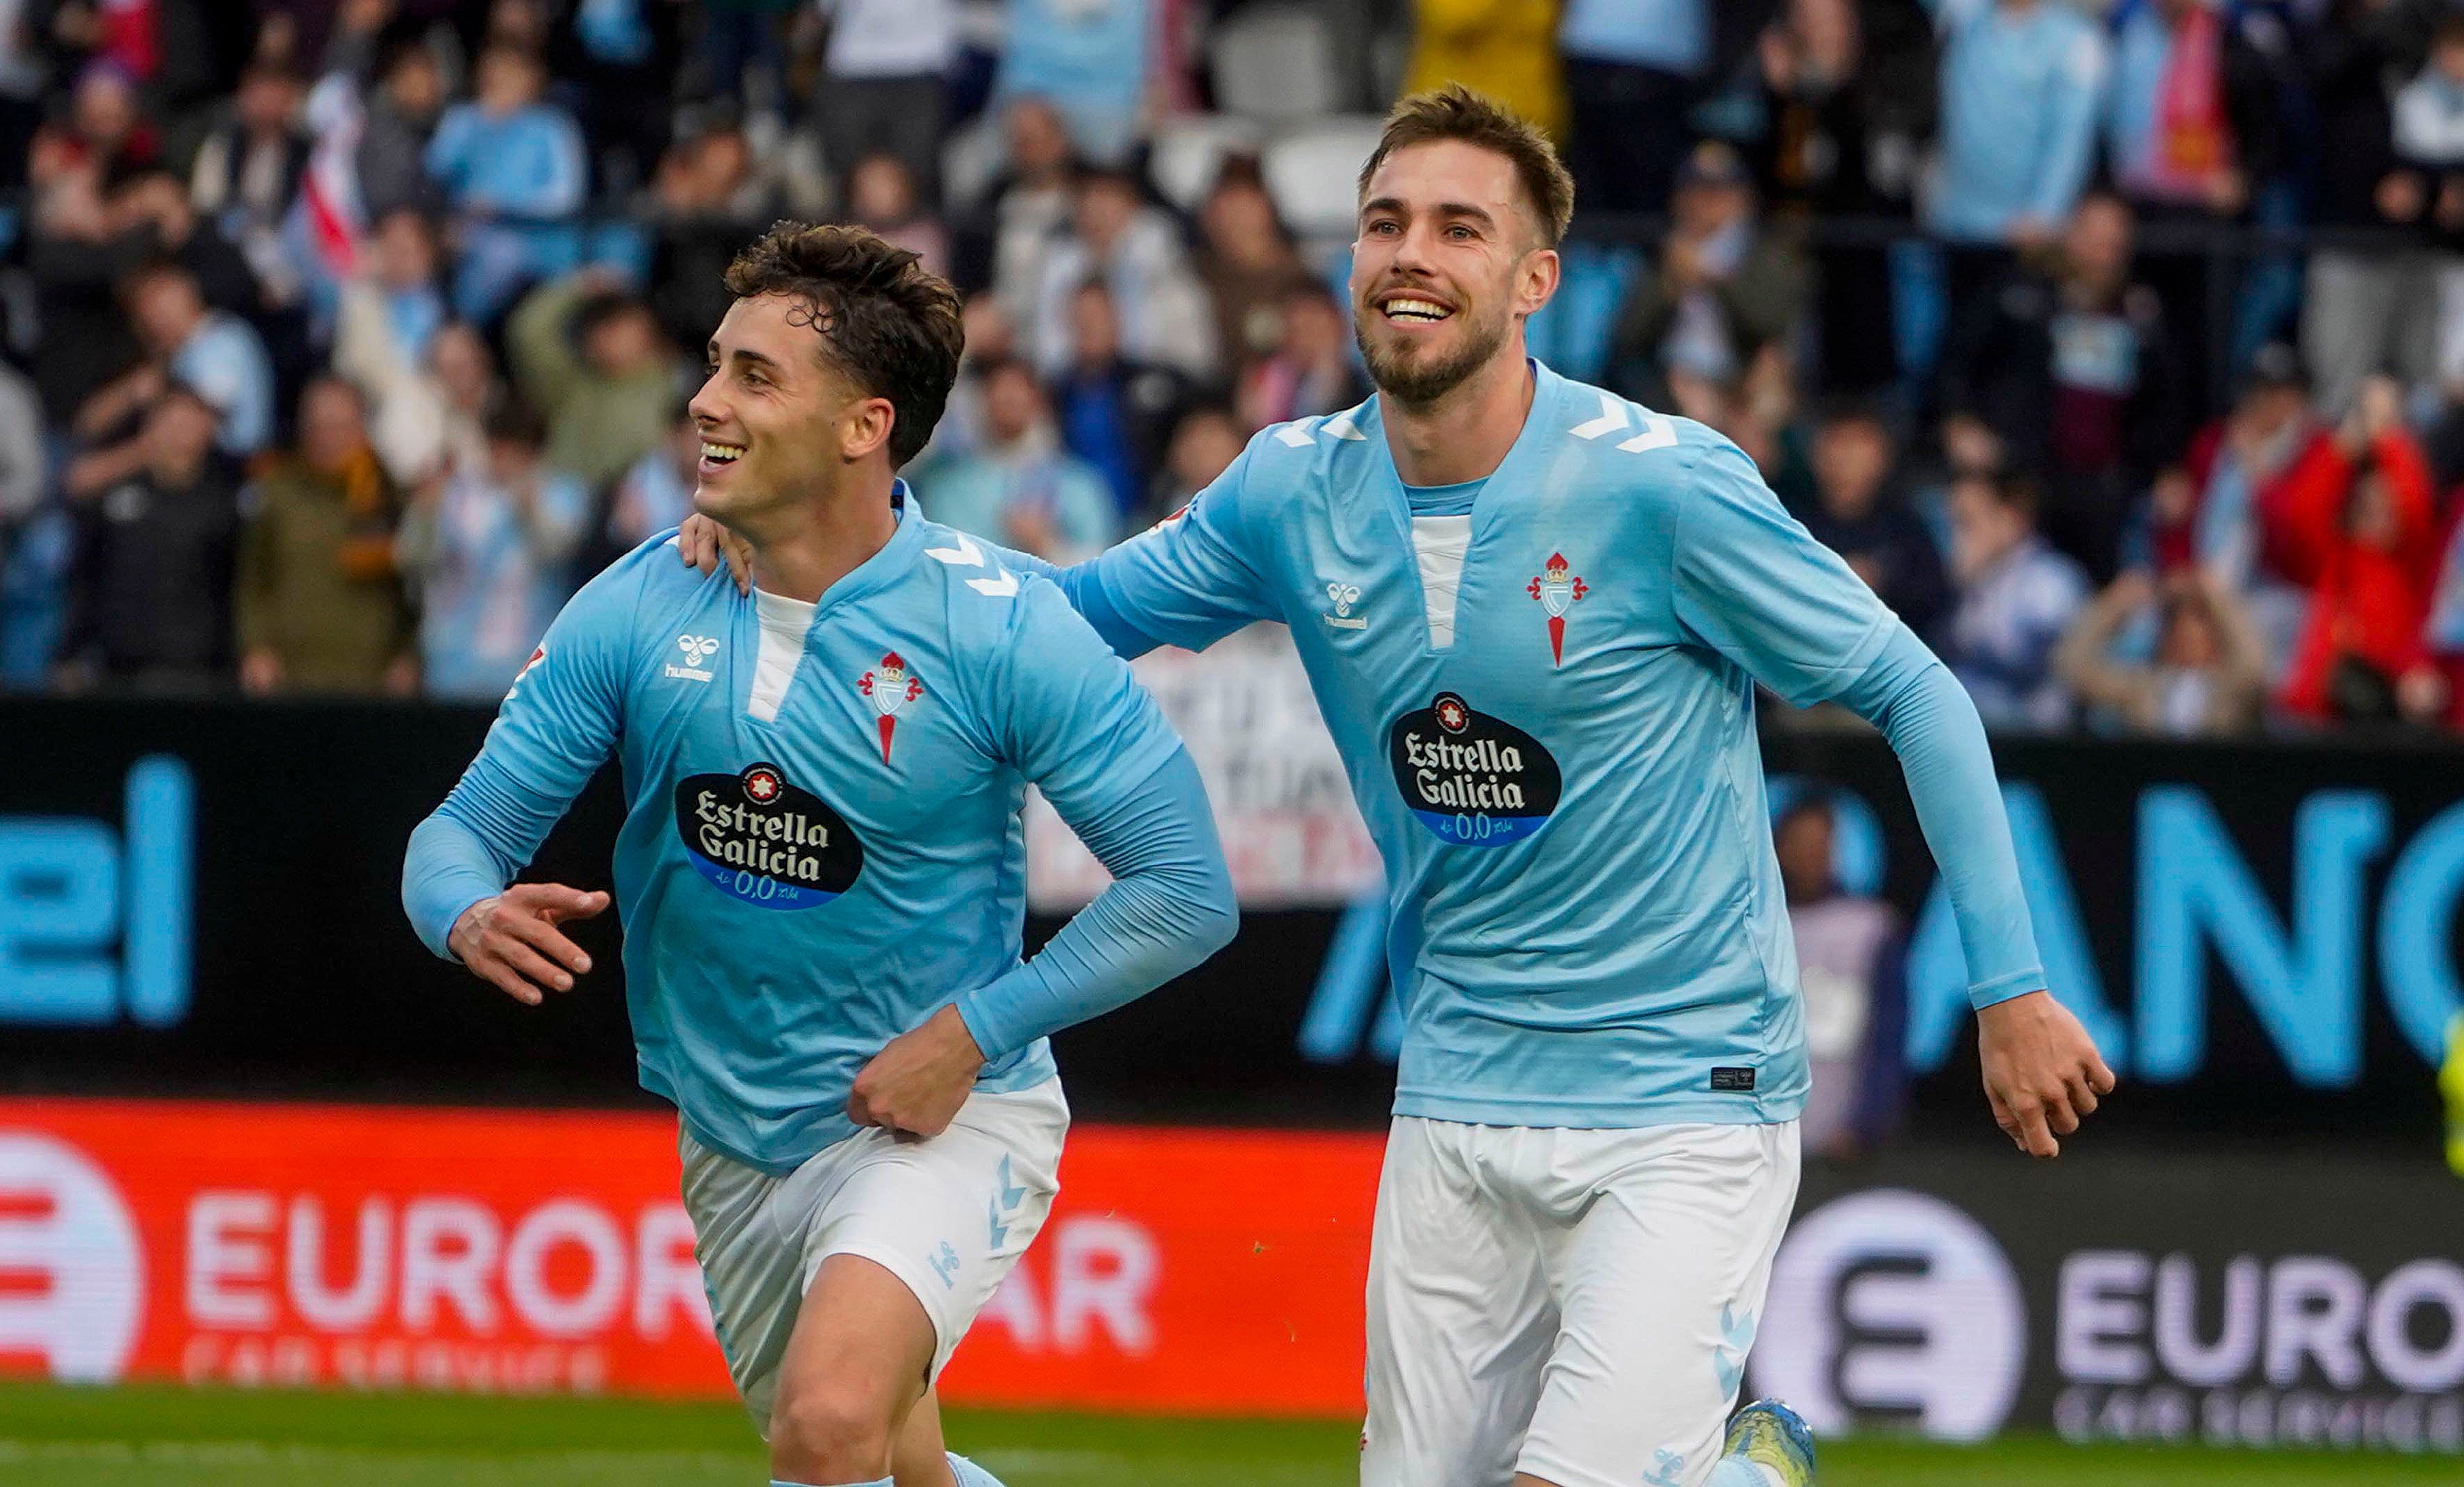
x: 1413, y: 310
x: 715, y: 454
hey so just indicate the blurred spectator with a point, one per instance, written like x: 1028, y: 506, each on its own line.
x: 1311, y: 371
x: 1023, y: 489
x: 248, y: 171
x: 23, y: 74
x: 2207, y: 677
x: 76, y: 255
x: 485, y: 556
x: 629, y: 52
x: 1030, y: 204
x: 1852, y: 962
x: 1728, y: 287
x: 1859, y: 515
x: 2442, y: 634
x: 1247, y: 260
x: 591, y: 357
x: 738, y: 37
x: 1847, y: 105
x: 2191, y: 130
x: 404, y: 258
x: 152, y: 217
x: 2191, y: 118
x: 884, y: 86
x: 396, y: 123
x: 2362, y: 304
x: 152, y: 602
x: 2014, y: 597
x: 881, y: 195
x: 2217, y: 523
x: 1505, y: 49
x: 1204, y: 443
x: 707, y: 202
x: 463, y: 374
x: 216, y: 354
x: 1848, y: 93
x: 513, y: 171
x: 2020, y: 85
x: 1089, y: 58
x: 106, y: 128
x: 2354, y: 519
x: 1135, y: 249
x: 318, y: 606
x: 2071, y: 371
x: 658, y: 493
x: 2428, y: 136
x: 389, y: 316
x: 988, y: 341
x: 1631, y: 68
x: 1112, y: 410
x: 35, y: 539
x: 22, y: 484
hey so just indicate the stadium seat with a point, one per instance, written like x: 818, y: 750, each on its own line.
x: 1189, y: 154
x: 1275, y: 63
x: 1311, y: 171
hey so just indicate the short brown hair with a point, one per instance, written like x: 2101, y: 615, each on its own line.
x: 1455, y: 112
x: 888, y: 323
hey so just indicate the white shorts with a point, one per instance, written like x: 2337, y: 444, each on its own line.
x: 949, y: 1216
x: 1576, y: 1304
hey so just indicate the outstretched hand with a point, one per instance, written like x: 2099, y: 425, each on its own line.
x: 2042, y: 1072
x: 702, y: 542
x: 511, y: 939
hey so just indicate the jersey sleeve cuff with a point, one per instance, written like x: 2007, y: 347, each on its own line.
x: 2002, y: 989
x: 984, y: 1022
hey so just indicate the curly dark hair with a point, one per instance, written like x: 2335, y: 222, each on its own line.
x: 888, y: 324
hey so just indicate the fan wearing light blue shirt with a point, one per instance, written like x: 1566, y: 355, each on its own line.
x: 822, y: 868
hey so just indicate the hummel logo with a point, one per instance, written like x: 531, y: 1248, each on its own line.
x: 697, y: 648
x: 1344, y: 596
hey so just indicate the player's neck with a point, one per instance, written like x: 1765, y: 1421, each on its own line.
x: 816, y: 543
x: 1463, y: 435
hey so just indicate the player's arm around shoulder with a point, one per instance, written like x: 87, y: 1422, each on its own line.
x: 1062, y: 710
x: 1076, y: 722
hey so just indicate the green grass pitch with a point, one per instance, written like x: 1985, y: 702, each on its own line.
x: 148, y: 1438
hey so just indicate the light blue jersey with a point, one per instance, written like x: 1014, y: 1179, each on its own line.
x: 821, y: 845
x: 1546, y: 712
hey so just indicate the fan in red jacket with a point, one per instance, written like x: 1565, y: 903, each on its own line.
x: 2354, y: 519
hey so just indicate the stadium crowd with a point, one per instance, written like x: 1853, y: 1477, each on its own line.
x: 343, y: 342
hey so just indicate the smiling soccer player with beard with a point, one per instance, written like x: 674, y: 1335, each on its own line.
x: 1595, y: 1145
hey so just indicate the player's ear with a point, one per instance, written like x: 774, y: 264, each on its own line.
x: 1536, y: 279
x: 867, y: 428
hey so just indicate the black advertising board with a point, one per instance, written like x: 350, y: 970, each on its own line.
x: 202, y: 897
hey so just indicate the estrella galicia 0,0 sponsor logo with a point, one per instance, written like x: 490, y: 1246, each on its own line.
x: 1474, y: 780
x: 765, y: 841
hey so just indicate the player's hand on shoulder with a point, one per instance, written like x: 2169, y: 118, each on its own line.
x: 702, y: 542
x: 915, y: 1085
x: 511, y: 939
x: 2042, y: 1072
